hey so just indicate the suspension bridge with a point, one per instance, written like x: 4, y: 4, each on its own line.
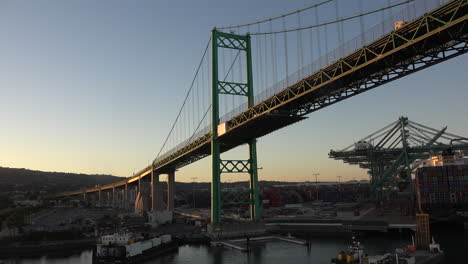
x: 258, y: 77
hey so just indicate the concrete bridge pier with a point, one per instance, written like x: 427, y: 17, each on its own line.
x: 170, y: 190
x: 100, y: 196
x: 157, y: 203
x: 114, y: 198
x: 133, y: 194
x: 94, y: 199
x: 142, y: 201
x: 125, y: 196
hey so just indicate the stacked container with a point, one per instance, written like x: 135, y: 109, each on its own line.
x: 443, y: 185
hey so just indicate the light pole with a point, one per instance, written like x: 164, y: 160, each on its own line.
x: 193, y: 190
x: 339, y: 183
x: 316, y: 184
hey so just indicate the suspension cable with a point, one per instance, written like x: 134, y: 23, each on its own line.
x: 335, y: 21
x: 209, y: 107
x: 276, y: 17
x: 185, y: 99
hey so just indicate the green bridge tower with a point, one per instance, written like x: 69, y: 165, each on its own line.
x: 219, y: 166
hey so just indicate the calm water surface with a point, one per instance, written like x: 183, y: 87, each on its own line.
x: 278, y: 252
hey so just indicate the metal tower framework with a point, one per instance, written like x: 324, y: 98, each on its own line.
x: 397, y: 150
x: 243, y: 44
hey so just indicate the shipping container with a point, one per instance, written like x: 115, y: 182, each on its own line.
x: 443, y: 185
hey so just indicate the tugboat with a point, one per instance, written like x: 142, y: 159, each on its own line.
x: 125, y: 247
x: 355, y: 254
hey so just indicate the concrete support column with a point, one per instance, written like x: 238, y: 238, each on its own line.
x: 125, y: 198
x: 84, y: 196
x: 99, y: 196
x: 156, y: 193
x: 113, y: 194
x: 170, y: 190
x: 154, y: 183
x: 139, y: 184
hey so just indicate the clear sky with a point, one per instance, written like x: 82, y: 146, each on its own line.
x: 93, y: 87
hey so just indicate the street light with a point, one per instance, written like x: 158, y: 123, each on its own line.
x: 316, y: 183
x: 193, y: 190
x: 339, y: 183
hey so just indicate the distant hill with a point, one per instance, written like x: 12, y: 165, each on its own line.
x: 12, y: 179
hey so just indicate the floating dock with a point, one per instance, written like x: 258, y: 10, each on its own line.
x: 235, y: 243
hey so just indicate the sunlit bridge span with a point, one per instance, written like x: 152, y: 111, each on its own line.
x: 256, y: 78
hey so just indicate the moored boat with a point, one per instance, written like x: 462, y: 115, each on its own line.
x: 127, y: 248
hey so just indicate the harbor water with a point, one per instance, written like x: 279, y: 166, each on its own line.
x: 320, y: 251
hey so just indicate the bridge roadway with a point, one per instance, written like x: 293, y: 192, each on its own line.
x: 435, y: 37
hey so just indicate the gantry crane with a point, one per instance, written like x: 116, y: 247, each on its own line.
x: 392, y: 153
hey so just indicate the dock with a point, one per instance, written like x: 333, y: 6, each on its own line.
x: 234, y: 243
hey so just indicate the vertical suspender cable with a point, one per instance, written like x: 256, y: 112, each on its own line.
x: 208, y: 90
x: 198, y: 99
x: 318, y: 35
x: 233, y: 101
x: 300, y: 59
x: 361, y: 23
x: 286, y: 52
x: 260, y: 60
x: 390, y: 13
x: 202, y: 86
x: 273, y: 54
x: 257, y: 62
x: 325, y: 34
x: 194, y: 121
x: 265, y: 63
x: 382, y: 23
x: 339, y: 31
x: 311, y: 40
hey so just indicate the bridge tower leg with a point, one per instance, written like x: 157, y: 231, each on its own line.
x: 241, y: 43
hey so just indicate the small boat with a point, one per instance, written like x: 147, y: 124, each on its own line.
x: 355, y: 254
x: 126, y: 248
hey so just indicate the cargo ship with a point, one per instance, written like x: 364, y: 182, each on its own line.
x: 442, y: 186
x: 125, y: 247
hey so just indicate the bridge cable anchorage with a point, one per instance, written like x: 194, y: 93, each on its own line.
x: 334, y: 21
x: 276, y: 17
x: 185, y: 99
